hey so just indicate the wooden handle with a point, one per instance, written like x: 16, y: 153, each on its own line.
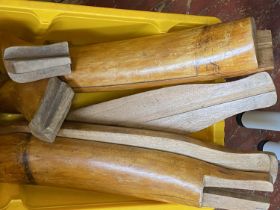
x: 115, y: 168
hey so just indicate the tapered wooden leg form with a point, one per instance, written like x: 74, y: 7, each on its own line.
x: 139, y: 172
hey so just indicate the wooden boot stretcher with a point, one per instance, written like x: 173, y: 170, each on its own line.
x: 182, y: 108
x: 193, y: 56
x: 199, y: 54
x: 134, y: 171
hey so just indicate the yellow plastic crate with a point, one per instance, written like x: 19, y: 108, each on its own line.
x: 39, y: 23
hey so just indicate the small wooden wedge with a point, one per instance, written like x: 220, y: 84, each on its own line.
x: 32, y: 63
x: 53, y: 109
x: 45, y: 110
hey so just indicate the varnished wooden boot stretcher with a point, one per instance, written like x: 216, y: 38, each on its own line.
x: 139, y: 172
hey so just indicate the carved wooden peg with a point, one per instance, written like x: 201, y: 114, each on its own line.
x: 32, y: 63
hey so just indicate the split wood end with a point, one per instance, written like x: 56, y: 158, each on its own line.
x: 32, y: 63
x: 52, y: 111
x: 233, y: 200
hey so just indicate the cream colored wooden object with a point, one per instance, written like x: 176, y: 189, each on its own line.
x: 183, y: 108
